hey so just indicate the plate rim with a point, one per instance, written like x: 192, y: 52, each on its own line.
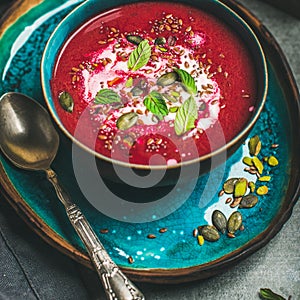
x: 179, y: 275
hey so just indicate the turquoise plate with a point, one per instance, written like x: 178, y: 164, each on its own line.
x: 175, y: 255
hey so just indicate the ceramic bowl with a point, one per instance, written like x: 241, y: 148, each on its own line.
x: 203, y: 164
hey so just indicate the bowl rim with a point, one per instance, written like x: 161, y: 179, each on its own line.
x: 241, y: 135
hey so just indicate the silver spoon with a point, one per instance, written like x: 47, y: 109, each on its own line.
x: 29, y: 140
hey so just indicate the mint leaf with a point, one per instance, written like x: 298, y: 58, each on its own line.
x: 156, y: 103
x: 186, y: 116
x: 107, y: 96
x: 269, y: 295
x: 139, y: 56
x: 187, y: 80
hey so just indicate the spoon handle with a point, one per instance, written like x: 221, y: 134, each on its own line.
x: 117, y: 286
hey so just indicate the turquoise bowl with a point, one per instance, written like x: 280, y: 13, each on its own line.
x: 202, y: 164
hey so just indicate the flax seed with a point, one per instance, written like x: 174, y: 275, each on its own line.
x: 130, y: 260
x: 168, y: 28
x: 188, y: 29
x: 151, y: 236
x: 221, y: 193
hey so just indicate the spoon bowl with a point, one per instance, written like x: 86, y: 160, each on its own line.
x: 28, y: 137
x: 30, y: 141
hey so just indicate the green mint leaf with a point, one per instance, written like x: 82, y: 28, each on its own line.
x: 107, y: 96
x: 186, y: 116
x: 187, y: 80
x: 156, y: 103
x: 139, y: 56
x: 269, y: 295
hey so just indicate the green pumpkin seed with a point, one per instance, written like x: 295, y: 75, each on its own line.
x: 210, y: 233
x: 202, y: 106
x: 162, y: 49
x: 175, y: 94
x: 160, y: 40
x: 167, y: 79
x: 136, y: 91
x: 66, y: 101
x: 234, y: 222
x: 129, y: 82
x: 134, y: 39
x: 258, y: 164
x: 251, y: 186
x: 170, y: 98
x: 240, y: 187
x: 272, y: 161
x: 219, y: 221
x: 248, y: 161
x: 264, y: 178
x: 173, y: 109
x: 228, y: 186
x: 254, y: 145
x: 127, y: 120
x: 262, y: 190
x: 248, y: 201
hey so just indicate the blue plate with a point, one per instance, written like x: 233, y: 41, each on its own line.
x: 175, y: 255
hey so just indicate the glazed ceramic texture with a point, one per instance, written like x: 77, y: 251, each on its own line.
x: 176, y: 251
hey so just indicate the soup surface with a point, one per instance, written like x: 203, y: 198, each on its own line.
x: 154, y: 78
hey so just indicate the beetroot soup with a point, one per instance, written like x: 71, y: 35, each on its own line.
x: 151, y: 76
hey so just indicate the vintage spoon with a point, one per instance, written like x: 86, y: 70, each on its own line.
x: 29, y: 140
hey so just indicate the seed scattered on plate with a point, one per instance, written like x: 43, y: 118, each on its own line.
x: 151, y: 236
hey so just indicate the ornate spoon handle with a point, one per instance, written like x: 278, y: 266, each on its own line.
x: 117, y: 286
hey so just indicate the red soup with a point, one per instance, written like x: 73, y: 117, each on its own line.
x: 154, y: 78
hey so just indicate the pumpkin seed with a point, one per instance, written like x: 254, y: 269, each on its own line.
x: 265, y: 178
x: 248, y: 161
x: 134, y: 39
x: 228, y: 185
x: 248, y: 201
x: 200, y: 240
x: 167, y: 79
x: 175, y: 94
x: 136, y: 91
x: 262, y: 190
x: 219, y: 221
x: 202, y: 106
x: 240, y: 187
x: 66, y: 101
x: 160, y: 40
x: 173, y: 109
x: 127, y: 120
x: 258, y: 164
x: 251, y: 186
x: 254, y: 145
x: 210, y: 233
x: 234, y: 222
x: 273, y: 161
x: 170, y: 97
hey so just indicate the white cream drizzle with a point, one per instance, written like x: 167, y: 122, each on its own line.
x: 92, y: 80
